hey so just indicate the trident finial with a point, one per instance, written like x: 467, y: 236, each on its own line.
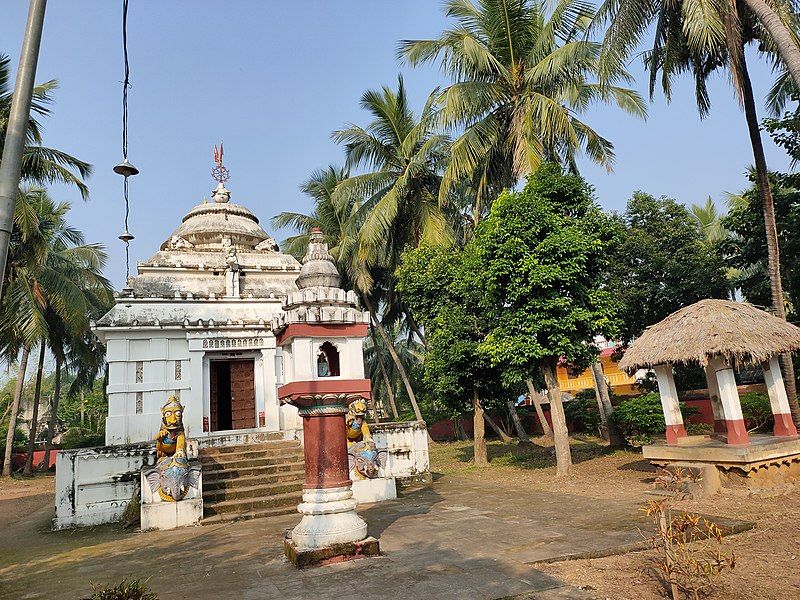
x: 220, y: 172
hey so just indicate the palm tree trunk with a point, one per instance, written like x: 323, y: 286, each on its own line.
x: 560, y: 433
x: 479, y: 435
x: 393, y: 353
x: 53, y: 414
x: 773, y: 250
x: 784, y: 40
x: 12, y: 420
x: 521, y: 435
x: 535, y: 396
x: 504, y: 437
x: 609, y: 428
x: 37, y: 394
x: 385, y: 376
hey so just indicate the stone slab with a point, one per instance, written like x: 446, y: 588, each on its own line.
x: 367, y: 491
x: 708, y: 449
x: 303, y: 558
x: 163, y: 516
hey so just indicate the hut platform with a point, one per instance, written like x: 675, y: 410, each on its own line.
x: 767, y: 461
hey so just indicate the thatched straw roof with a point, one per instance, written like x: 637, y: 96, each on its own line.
x: 733, y: 330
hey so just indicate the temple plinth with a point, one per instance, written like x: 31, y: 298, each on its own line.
x: 323, y: 332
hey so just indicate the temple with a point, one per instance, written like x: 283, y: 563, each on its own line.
x: 196, y: 323
x: 240, y: 335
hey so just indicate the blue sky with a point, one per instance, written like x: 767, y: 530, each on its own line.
x: 273, y: 79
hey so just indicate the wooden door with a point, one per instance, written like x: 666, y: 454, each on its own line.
x: 243, y: 394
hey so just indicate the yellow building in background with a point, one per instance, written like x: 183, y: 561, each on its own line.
x: 621, y: 383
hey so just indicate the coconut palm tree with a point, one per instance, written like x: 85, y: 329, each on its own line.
x: 331, y: 218
x: 696, y: 38
x: 522, y: 76
x: 40, y: 164
x: 50, y: 271
x: 709, y: 221
x: 401, y: 158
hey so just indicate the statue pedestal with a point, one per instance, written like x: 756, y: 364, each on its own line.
x: 367, y: 491
x: 156, y: 513
x: 171, y: 515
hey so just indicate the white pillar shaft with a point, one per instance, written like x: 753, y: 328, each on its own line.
x: 669, y: 395
x: 271, y: 406
x: 728, y: 394
x: 713, y: 389
x: 775, y: 388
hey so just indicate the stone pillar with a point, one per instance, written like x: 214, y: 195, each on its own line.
x: 670, y: 404
x: 328, y: 507
x: 272, y: 419
x: 784, y: 426
x: 729, y: 395
x: 713, y: 395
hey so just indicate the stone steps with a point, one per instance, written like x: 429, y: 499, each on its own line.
x: 236, y: 461
x: 244, y: 472
x: 253, y: 514
x: 251, y: 481
x: 243, y: 505
x: 263, y: 490
x: 295, y: 473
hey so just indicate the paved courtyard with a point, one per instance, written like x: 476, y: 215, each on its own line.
x: 459, y: 539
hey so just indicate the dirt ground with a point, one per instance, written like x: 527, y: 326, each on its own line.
x: 767, y: 557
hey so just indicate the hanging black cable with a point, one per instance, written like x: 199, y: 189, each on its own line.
x: 125, y: 168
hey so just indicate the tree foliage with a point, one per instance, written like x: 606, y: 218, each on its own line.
x: 660, y: 264
x: 541, y: 255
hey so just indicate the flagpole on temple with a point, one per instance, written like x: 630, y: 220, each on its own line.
x: 17, y: 129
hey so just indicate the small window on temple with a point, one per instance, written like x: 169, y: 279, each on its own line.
x: 328, y: 361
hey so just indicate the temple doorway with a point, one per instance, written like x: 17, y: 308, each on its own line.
x: 233, y: 395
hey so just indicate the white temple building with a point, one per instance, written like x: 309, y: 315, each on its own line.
x: 196, y: 322
x: 199, y: 321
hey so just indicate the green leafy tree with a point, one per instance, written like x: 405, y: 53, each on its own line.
x: 523, y: 72
x: 439, y: 286
x: 660, y: 264
x: 745, y: 250
x: 540, y: 262
x: 700, y: 38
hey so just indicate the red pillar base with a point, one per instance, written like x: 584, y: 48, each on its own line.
x: 719, y: 426
x: 784, y: 426
x: 674, y: 433
x: 737, y: 432
x: 303, y: 558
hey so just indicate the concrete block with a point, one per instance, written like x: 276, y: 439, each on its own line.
x: 367, y: 491
x: 700, y: 481
x: 304, y: 557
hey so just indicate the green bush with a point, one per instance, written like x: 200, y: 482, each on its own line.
x: 20, y: 437
x: 75, y: 437
x: 641, y: 417
x: 582, y: 414
x: 756, y: 411
x: 135, y: 590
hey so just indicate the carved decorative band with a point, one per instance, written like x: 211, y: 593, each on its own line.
x: 330, y: 409
x: 232, y: 343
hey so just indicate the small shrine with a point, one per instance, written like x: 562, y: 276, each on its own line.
x: 322, y: 329
x: 722, y: 335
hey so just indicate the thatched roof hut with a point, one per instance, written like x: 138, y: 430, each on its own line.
x: 735, y: 331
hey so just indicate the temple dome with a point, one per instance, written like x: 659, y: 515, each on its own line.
x: 214, y: 226
x: 318, y: 267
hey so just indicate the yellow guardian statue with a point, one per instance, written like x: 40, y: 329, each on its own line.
x: 363, y: 455
x: 172, y: 476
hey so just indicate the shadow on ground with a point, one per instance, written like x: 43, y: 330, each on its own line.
x: 537, y: 456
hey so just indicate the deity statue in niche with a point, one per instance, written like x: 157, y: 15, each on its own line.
x: 364, y: 457
x: 172, y: 478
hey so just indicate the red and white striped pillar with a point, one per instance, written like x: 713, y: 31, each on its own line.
x: 784, y: 425
x: 729, y: 395
x: 670, y: 404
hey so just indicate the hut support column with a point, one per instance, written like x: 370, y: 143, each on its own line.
x: 734, y: 422
x: 777, y: 399
x: 669, y: 404
x: 713, y: 395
